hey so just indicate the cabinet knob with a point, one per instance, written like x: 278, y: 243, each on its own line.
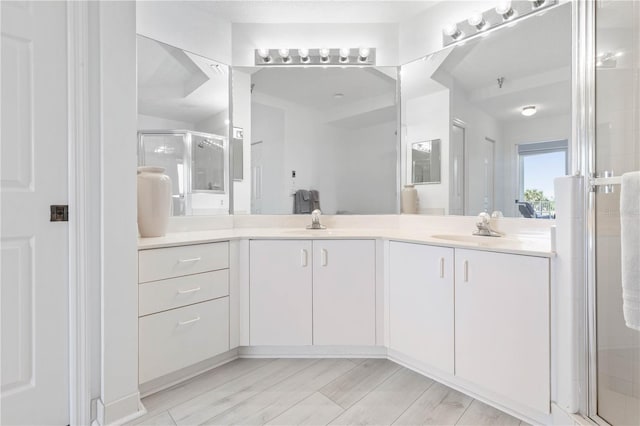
x: 303, y: 258
x: 323, y: 257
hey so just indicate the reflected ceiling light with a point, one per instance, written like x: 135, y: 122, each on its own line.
x: 264, y: 54
x: 537, y: 3
x: 344, y: 54
x: 226, y: 121
x: 477, y: 20
x: 324, y: 54
x: 529, y: 110
x: 505, y: 10
x: 363, y: 54
x: 284, y: 54
x: 304, y: 55
x: 452, y: 31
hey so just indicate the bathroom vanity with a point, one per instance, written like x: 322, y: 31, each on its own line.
x: 469, y: 312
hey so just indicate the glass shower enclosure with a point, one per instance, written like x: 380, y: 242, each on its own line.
x: 197, y: 164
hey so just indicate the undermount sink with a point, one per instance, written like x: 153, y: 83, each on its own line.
x: 477, y: 239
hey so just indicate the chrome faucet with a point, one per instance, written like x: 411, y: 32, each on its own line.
x: 484, y: 226
x: 315, y: 220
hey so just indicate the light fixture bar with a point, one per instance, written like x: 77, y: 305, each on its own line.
x: 345, y: 56
x: 505, y: 12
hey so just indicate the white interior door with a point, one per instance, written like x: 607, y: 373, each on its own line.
x: 35, y: 255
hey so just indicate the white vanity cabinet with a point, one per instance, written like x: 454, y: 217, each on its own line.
x: 280, y: 292
x: 344, y: 294
x: 183, y: 307
x: 502, y: 325
x: 421, y: 301
x: 306, y: 292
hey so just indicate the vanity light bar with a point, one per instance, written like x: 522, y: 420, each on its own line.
x: 505, y: 12
x: 362, y: 56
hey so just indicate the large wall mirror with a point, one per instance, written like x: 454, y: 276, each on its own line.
x: 323, y: 136
x: 183, y: 125
x: 501, y: 107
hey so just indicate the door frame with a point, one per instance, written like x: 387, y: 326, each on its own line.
x: 582, y: 155
x: 85, y: 211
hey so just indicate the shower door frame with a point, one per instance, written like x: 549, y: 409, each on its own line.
x: 583, y: 162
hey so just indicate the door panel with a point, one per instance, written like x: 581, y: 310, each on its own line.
x: 617, y: 149
x: 34, y: 251
x: 344, y: 293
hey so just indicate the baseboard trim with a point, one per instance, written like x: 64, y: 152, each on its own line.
x: 312, y: 352
x: 120, y: 411
x: 164, y: 382
x: 512, y: 408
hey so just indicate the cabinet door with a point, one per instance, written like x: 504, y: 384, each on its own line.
x: 344, y: 292
x: 280, y: 293
x: 421, y: 303
x: 502, y: 324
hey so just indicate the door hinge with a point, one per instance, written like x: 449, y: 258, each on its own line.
x: 59, y: 213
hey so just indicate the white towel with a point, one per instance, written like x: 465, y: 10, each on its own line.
x: 630, y: 244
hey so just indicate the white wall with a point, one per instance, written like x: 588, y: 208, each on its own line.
x: 528, y: 130
x: 427, y: 118
x: 241, y: 84
x: 115, y: 32
x: 248, y: 37
x: 149, y: 122
x: 187, y: 26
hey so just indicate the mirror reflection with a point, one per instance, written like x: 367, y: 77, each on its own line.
x: 501, y: 107
x: 323, y: 137
x: 183, y: 124
x: 425, y: 161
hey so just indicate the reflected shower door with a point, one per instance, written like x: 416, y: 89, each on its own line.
x: 617, y: 149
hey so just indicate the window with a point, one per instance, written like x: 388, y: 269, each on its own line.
x: 540, y: 163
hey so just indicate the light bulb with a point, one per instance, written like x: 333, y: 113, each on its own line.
x: 263, y: 53
x: 537, y: 3
x: 344, y: 54
x: 452, y: 31
x: 284, y: 53
x: 528, y: 111
x: 363, y: 53
x: 504, y: 8
x: 477, y: 20
x: 324, y: 54
x: 303, y: 53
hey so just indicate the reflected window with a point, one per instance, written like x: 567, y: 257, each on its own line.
x: 540, y: 163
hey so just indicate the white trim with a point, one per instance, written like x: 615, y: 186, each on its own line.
x: 80, y: 235
x: 111, y: 414
x: 312, y: 352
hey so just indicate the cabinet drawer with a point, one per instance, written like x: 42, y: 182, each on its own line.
x: 157, y: 296
x: 178, y: 338
x: 158, y: 264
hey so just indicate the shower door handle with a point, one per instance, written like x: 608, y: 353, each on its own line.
x: 606, y: 180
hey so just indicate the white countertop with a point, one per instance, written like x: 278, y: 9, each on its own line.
x: 531, y: 244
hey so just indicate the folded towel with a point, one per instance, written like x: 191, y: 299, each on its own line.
x: 630, y: 244
x: 315, y: 199
x: 301, y: 202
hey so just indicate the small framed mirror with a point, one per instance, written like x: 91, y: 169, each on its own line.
x: 425, y: 160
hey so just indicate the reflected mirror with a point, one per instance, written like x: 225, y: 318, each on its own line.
x: 323, y: 137
x: 501, y: 107
x: 425, y: 161
x: 183, y: 124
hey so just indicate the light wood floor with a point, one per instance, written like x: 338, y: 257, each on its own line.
x: 316, y: 392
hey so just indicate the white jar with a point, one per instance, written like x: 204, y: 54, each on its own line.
x: 409, y: 199
x: 154, y: 201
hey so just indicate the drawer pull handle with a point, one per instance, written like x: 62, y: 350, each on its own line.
x: 466, y: 271
x: 191, y: 290
x: 191, y: 321
x: 442, y: 267
x: 193, y: 259
x: 324, y: 257
x: 303, y: 258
